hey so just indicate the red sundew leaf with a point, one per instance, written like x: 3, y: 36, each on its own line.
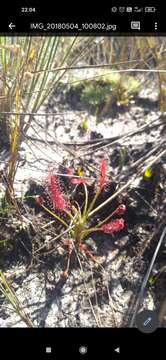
x: 70, y: 171
x: 113, y: 226
x: 55, y: 193
x: 39, y: 200
x: 120, y: 209
x: 64, y: 274
x: 77, y: 181
x: 102, y: 177
x: 68, y: 243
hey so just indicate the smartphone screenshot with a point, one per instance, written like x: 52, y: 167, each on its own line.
x: 82, y: 180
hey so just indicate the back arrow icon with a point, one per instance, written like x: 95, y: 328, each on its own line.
x: 11, y: 26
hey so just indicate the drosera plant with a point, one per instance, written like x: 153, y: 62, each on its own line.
x: 76, y: 217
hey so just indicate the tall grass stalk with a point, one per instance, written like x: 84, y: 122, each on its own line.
x: 23, y: 88
x: 10, y: 295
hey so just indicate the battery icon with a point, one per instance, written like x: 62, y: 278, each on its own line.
x: 150, y: 9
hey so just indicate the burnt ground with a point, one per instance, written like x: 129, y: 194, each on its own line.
x: 102, y: 293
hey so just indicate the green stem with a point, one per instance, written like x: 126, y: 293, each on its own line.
x: 109, y: 199
x: 92, y: 203
x: 86, y: 201
x: 54, y: 215
x: 106, y: 219
x: 69, y: 214
x: 87, y: 232
x: 50, y: 212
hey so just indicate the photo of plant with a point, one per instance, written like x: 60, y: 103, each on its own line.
x: 82, y: 180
